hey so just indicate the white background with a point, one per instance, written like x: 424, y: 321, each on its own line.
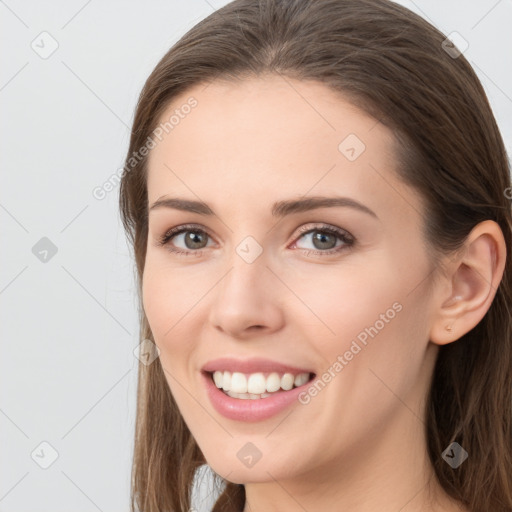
x: 69, y: 325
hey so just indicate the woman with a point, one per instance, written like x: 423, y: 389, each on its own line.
x: 316, y: 194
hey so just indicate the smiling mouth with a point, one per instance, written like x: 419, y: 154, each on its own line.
x: 258, y: 385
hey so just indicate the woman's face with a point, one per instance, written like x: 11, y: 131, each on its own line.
x: 336, y: 291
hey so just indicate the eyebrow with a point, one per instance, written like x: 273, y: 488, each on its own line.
x: 279, y: 208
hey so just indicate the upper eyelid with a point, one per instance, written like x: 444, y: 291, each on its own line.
x: 303, y: 229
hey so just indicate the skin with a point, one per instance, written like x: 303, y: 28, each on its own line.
x: 359, y: 444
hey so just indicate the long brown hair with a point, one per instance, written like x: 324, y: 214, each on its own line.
x: 394, y: 65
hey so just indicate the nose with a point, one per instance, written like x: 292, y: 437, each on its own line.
x: 246, y: 302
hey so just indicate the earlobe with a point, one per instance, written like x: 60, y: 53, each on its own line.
x: 474, y: 280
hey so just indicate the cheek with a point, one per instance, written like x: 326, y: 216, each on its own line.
x: 167, y: 306
x: 157, y: 302
x: 173, y: 299
x: 172, y: 318
x: 343, y: 301
x: 369, y: 317
x: 167, y: 294
x: 162, y: 308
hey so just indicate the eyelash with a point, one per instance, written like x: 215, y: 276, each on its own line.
x: 347, y: 239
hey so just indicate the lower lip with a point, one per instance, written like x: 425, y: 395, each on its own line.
x: 250, y: 410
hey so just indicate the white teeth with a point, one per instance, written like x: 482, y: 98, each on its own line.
x: 287, y: 381
x: 301, y: 379
x: 247, y: 396
x: 218, y: 378
x: 226, y: 381
x: 273, y: 382
x: 255, y: 385
x: 238, y: 383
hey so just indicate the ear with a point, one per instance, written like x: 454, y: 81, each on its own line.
x: 472, y: 282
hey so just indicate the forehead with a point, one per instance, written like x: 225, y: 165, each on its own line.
x: 269, y: 138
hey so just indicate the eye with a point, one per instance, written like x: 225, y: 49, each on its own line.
x: 324, y: 240
x: 194, y: 237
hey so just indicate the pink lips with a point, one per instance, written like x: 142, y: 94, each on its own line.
x: 251, y: 366
x: 250, y: 410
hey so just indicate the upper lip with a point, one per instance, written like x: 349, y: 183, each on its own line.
x: 252, y: 365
